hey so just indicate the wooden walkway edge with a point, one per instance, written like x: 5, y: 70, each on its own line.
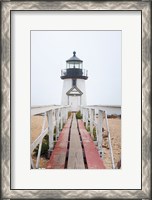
x: 92, y: 156
x: 58, y: 156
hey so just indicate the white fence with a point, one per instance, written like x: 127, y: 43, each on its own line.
x: 54, y: 116
x: 96, y: 117
x: 111, y: 110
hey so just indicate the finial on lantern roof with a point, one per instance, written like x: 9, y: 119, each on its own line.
x: 74, y: 58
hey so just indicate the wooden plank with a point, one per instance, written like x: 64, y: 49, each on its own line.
x: 75, y: 160
x: 58, y: 156
x: 91, y: 153
x: 57, y: 160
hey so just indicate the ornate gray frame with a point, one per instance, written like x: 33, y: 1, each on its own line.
x: 6, y: 7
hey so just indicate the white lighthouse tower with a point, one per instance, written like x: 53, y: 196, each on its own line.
x: 74, y: 76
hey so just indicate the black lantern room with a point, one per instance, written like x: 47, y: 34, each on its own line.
x: 74, y: 69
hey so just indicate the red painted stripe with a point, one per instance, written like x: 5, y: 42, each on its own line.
x: 92, y: 156
x: 57, y: 160
x: 58, y: 156
x: 68, y: 123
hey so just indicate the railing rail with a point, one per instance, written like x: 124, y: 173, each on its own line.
x: 64, y: 72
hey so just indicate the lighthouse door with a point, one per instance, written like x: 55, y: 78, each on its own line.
x: 74, y: 102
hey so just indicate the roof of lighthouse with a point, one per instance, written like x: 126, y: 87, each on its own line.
x: 74, y: 58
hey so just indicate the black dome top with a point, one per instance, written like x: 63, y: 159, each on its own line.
x: 74, y: 59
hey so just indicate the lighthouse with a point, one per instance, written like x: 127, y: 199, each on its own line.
x: 74, y: 76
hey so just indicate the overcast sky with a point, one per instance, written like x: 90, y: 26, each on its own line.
x: 101, y: 55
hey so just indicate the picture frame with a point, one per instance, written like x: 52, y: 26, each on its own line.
x: 7, y: 121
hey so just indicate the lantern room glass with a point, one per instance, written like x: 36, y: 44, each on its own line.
x: 74, y: 65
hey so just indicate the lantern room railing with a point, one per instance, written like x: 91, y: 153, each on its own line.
x: 74, y: 73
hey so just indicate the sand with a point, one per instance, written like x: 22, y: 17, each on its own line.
x: 115, y: 132
x: 36, y: 126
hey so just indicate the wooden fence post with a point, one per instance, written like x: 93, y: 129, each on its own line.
x: 57, y: 122
x: 87, y: 116
x: 109, y: 140
x: 63, y: 114
x: 99, y: 138
x: 50, y: 130
x: 40, y: 144
x: 61, y: 119
x: 66, y: 113
x: 91, y: 121
x: 83, y: 114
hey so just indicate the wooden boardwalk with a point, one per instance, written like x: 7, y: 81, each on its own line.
x: 75, y: 160
x: 75, y: 149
